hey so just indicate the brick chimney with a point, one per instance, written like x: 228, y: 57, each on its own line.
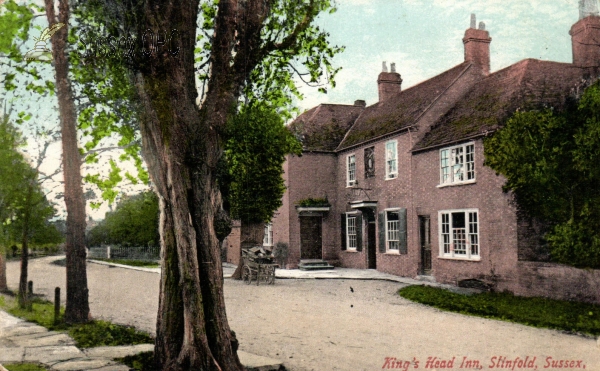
x: 477, y: 46
x: 585, y: 35
x: 389, y: 83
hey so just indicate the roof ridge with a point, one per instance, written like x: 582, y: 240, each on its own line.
x: 350, y: 129
x: 443, y: 92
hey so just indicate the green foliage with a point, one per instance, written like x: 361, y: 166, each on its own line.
x: 103, y: 333
x: 550, y: 161
x: 87, y: 335
x: 21, y: 194
x: 133, y: 223
x: 24, y: 367
x: 140, y: 362
x: 575, y: 243
x: 257, y: 144
x: 314, y: 202
x: 536, y: 312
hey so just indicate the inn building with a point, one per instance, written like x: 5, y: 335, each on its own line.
x: 407, y: 189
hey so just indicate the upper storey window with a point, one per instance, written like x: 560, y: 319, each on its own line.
x: 351, y: 170
x: 457, y: 164
x: 391, y: 159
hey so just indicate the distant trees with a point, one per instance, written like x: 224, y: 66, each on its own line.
x: 551, y: 162
x: 24, y: 208
x: 133, y: 223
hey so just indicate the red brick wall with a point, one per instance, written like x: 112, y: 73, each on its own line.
x: 391, y: 193
x: 311, y: 175
x: 497, y: 219
x: 233, y: 244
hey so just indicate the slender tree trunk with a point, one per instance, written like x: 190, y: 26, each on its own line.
x: 22, y: 297
x: 77, y: 309
x: 251, y: 234
x: 3, y: 254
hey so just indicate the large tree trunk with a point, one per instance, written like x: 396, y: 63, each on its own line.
x: 251, y: 234
x: 22, y: 297
x: 78, y: 309
x: 182, y: 147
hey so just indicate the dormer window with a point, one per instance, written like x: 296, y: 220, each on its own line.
x: 391, y: 159
x: 351, y: 170
x: 457, y: 164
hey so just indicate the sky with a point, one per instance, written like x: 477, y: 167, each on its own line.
x: 423, y: 38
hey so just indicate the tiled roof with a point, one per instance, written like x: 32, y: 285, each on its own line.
x: 401, y: 110
x: 323, y: 127
x: 529, y: 84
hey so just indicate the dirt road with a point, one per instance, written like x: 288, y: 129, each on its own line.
x: 323, y: 325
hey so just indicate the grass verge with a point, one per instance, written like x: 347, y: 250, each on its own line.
x: 568, y: 316
x: 86, y: 335
x: 24, y: 367
x: 139, y: 362
x: 133, y: 263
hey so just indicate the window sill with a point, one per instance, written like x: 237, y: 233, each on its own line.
x: 351, y: 250
x: 350, y: 185
x: 477, y: 259
x: 472, y: 181
x: 392, y: 178
x: 393, y: 253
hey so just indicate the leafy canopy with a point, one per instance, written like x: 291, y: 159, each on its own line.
x: 133, y: 223
x: 256, y: 146
x: 550, y: 161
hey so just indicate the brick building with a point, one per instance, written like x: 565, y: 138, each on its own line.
x: 407, y: 189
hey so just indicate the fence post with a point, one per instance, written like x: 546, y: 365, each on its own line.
x: 107, y: 251
x: 29, y: 295
x: 56, y: 304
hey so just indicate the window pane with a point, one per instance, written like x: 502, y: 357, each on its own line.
x: 470, y: 160
x: 351, y: 231
x: 393, y: 231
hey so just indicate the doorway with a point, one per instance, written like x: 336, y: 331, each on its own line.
x: 311, y: 237
x: 425, y: 237
x: 371, y: 252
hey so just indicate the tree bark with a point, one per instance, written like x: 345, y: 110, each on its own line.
x: 22, y: 297
x: 182, y: 147
x: 251, y: 234
x: 77, y: 309
x: 3, y: 255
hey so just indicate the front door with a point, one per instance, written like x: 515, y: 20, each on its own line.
x: 310, y: 237
x: 424, y: 232
x: 372, y: 257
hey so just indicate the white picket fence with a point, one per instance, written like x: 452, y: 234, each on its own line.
x: 123, y: 252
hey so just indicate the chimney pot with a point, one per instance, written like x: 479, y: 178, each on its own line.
x: 383, y: 67
x: 477, y: 46
x: 393, y: 67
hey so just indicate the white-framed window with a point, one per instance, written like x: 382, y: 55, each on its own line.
x: 392, y: 231
x: 351, y: 232
x: 351, y: 170
x: 268, y: 236
x: 459, y: 234
x: 391, y: 159
x: 457, y: 164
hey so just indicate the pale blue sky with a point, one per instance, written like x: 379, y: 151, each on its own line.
x: 424, y: 38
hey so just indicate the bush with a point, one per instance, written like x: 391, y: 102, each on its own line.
x: 575, y: 244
